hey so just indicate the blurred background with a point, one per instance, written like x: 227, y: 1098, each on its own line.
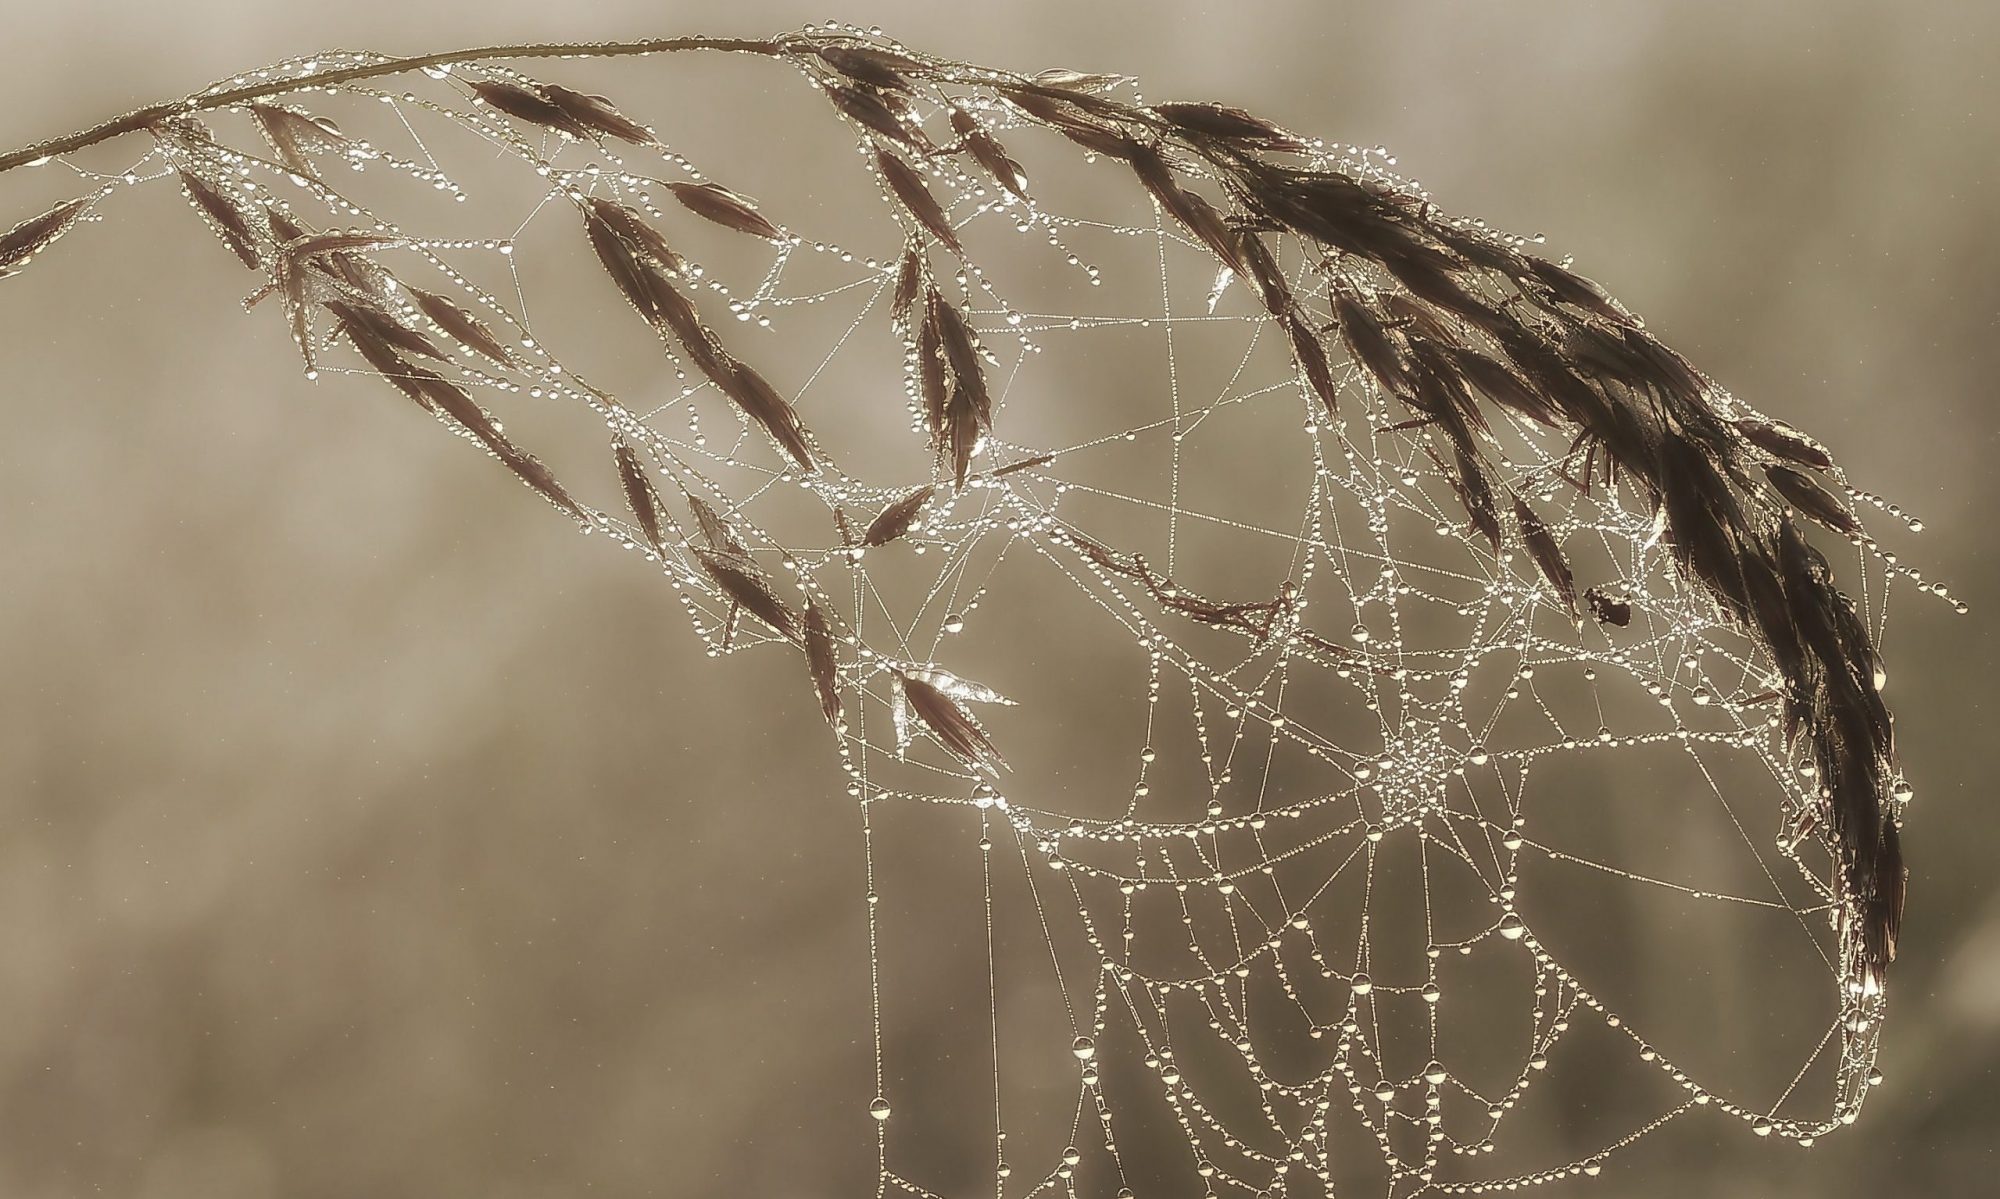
x: 366, y: 831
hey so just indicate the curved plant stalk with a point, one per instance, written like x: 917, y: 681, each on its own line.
x: 1465, y: 330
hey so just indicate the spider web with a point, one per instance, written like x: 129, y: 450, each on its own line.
x: 1259, y: 829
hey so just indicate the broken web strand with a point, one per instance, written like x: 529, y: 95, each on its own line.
x: 1410, y: 784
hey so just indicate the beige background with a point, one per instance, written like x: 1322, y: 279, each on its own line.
x: 363, y: 831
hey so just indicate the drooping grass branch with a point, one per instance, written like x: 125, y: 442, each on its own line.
x: 1583, y: 363
x: 1461, y: 334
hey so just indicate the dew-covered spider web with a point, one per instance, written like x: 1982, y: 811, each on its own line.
x: 1298, y: 747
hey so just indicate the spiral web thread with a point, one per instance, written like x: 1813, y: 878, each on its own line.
x: 1381, y: 687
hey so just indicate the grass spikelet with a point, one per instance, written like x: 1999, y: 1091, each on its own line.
x: 916, y: 198
x: 465, y: 328
x: 729, y: 209
x: 948, y: 722
x: 1576, y: 290
x: 19, y: 245
x: 224, y: 216
x: 748, y: 589
x: 909, y: 278
x: 1312, y: 362
x: 294, y: 135
x: 452, y: 400
x: 761, y: 402
x: 1088, y: 83
x: 896, y: 519
x: 866, y: 107
x: 987, y: 151
x: 598, y: 115
x: 1098, y: 135
x: 523, y: 105
x: 823, y: 660
x: 1547, y: 553
x: 1367, y: 343
x: 717, y: 532
x: 389, y: 365
x: 1189, y: 208
x: 959, y: 409
x: 1272, y: 287
x: 1501, y: 385
x: 1780, y: 440
x: 640, y: 495
x: 870, y: 65
x: 638, y: 234
x: 637, y: 278
x: 386, y: 328
x: 1805, y: 494
x: 1224, y: 121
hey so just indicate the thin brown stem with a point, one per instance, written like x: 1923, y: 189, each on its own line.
x: 138, y: 119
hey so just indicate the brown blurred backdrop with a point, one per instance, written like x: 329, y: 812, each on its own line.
x: 367, y: 832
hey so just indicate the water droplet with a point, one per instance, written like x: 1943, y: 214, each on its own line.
x: 1511, y: 926
x: 1084, y: 1048
x: 879, y: 1109
x: 1362, y: 984
x: 1435, y: 1072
